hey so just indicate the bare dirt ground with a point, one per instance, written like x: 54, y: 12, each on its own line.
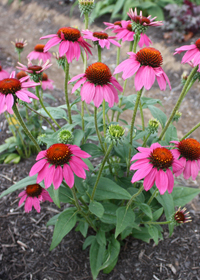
x: 24, y: 238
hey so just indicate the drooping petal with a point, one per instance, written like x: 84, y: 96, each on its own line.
x: 78, y: 170
x: 79, y: 162
x: 139, y: 164
x: 150, y: 179
x: 87, y: 92
x: 98, y: 97
x: 51, y: 43
x: 37, y: 167
x: 48, y: 180
x: 194, y: 169
x: 68, y: 175
x: 141, y: 173
x: 170, y: 180
x: 76, y: 78
x: 161, y: 181
x: 63, y: 48
x: 187, y: 170
x: 78, y: 84
x: 58, y: 177
x: 43, y: 173
x: 36, y: 204
x: 41, y: 155
x: 22, y: 199
x: 28, y: 204
x: 9, y: 100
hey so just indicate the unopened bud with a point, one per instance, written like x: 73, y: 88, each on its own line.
x: 65, y: 136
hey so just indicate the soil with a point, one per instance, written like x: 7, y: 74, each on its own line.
x: 24, y: 238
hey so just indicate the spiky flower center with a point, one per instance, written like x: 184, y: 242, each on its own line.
x: 180, y: 217
x: 34, y: 190
x: 35, y: 68
x: 98, y: 73
x: 141, y: 20
x: 100, y: 35
x: 9, y: 85
x: 197, y: 43
x: 20, y: 75
x: 19, y: 45
x: 70, y: 33
x: 129, y: 27
x: 161, y: 158
x: 0, y: 68
x: 39, y: 48
x: 189, y: 149
x: 118, y: 23
x: 44, y: 77
x: 58, y: 154
x: 149, y: 57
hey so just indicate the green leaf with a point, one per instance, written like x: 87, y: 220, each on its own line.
x: 4, y: 147
x: 88, y: 241
x: 158, y: 114
x: 183, y: 195
x: 118, y: 5
x: 142, y: 234
x: 15, y: 158
x: 101, y: 237
x: 53, y: 220
x: 125, y: 217
x: 66, y: 221
x: 21, y: 184
x: 148, y: 4
x: 153, y: 231
x: 92, y: 149
x: 83, y: 228
x: 109, y: 268
x: 171, y: 134
x: 109, y: 216
x: 78, y: 99
x: 78, y: 136
x: 111, y: 253
x: 107, y: 189
x: 166, y: 200
x: 96, y: 257
x: 157, y: 214
x: 156, y: 12
x: 54, y: 195
x: 146, y: 209
x: 96, y: 208
x: 65, y: 195
x: 56, y: 113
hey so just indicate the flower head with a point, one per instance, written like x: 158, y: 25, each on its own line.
x: 126, y: 33
x: 115, y: 134
x: 12, y: 89
x: 141, y: 23
x: 46, y: 82
x: 33, y: 194
x: 101, y: 38
x: 192, y: 54
x: 146, y: 63
x: 181, y: 217
x: 98, y: 84
x: 188, y: 154
x: 39, y: 53
x: 34, y: 70
x: 70, y: 43
x: 114, y: 25
x: 153, y: 164
x: 19, y: 45
x: 60, y: 161
x: 65, y: 136
x: 3, y: 74
x: 21, y: 74
x: 86, y: 6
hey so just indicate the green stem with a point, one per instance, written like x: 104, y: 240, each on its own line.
x: 145, y: 141
x: 142, y: 116
x: 42, y: 104
x: 101, y: 169
x: 82, y: 118
x: 80, y: 209
x: 157, y: 223
x: 190, y: 132
x: 97, y: 129
x: 17, y: 114
x: 66, y: 90
x: 136, y: 40
x: 41, y: 117
x: 86, y: 27
x: 104, y: 117
x: 182, y: 95
x: 86, y: 108
x: 99, y: 53
x: 154, y: 194
x: 134, y: 196
x: 118, y: 56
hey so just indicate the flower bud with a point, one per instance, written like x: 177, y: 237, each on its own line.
x: 115, y: 134
x: 180, y: 217
x: 86, y: 6
x: 40, y: 139
x: 153, y: 126
x: 65, y: 136
x: 177, y: 116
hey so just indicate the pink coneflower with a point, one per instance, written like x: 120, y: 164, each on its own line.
x: 98, y: 84
x: 70, y: 41
x: 101, y: 38
x: 146, y: 63
x: 21, y: 74
x: 188, y: 154
x: 141, y: 20
x: 126, y: 33
x: 192, y: 53
x: 46, y: 82
x: 58, y: 162
x: 12, y: 89
x: 39, y: 53
x: 19, y: 44
x: 33, y: 68
x: 114, y: 25
x: 33, y: 194
x: 153, y: 164
x: 3, y: 74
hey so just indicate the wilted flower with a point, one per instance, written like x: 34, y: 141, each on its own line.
x: 181, y: 217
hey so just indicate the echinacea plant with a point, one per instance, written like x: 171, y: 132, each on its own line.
x: 131, y: 183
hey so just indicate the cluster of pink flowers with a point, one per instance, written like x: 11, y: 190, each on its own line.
x: 154, y: 163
